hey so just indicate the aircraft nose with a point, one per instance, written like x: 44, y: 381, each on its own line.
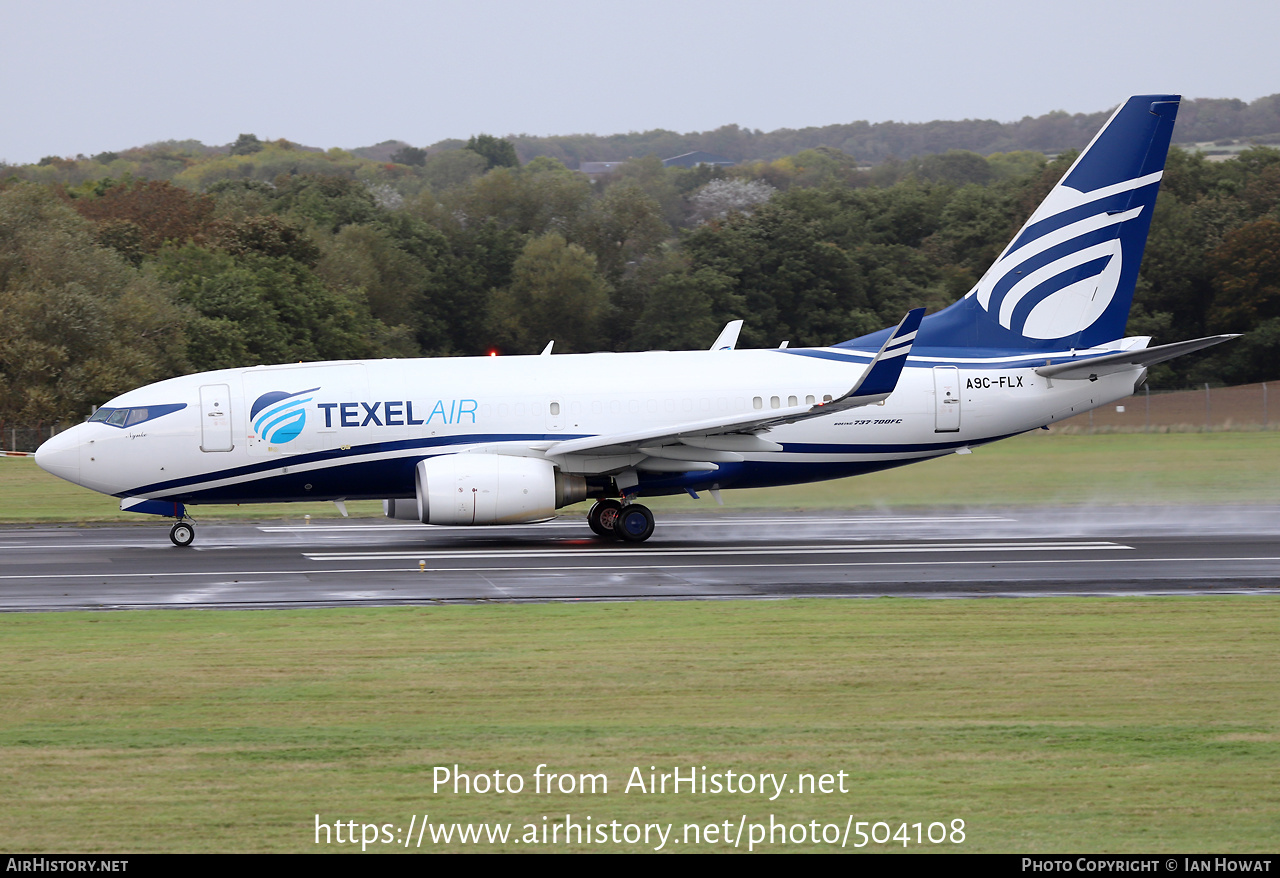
x: 60, y: 456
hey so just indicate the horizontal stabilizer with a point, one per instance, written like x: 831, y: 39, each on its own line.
x: 1093, y: 367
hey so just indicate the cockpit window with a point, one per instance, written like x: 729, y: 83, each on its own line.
x: 133, y: 416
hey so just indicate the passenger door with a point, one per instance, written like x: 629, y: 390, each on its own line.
x: 215, y: 418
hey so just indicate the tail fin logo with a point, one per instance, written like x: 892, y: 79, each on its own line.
x: 278, y: 417
x: 1060, y: 274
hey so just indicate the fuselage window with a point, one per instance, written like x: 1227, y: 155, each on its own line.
x: 555, y: 408
x: 615, y: 407
x: 757, y: 403
x: 809, y: 400
x: 775, y: 403
x: 791, y: 400
x: 826, y: 397
x: 503, y: 411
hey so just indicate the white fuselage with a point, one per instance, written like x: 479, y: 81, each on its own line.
x: 367, y: 423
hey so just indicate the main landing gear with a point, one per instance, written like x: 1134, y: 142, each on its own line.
x: 632, y: 523
x: 182, y: 534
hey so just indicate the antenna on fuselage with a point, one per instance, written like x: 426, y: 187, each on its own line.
x: 727, y: 340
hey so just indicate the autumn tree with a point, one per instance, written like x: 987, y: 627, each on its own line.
x: 78, y: 324
x: 1246, y: 277
x: 158, y: 210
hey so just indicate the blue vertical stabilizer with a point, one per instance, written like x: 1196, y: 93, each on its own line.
x: 1066, y: 281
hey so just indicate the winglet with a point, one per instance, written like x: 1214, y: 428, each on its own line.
x: 882, y: 373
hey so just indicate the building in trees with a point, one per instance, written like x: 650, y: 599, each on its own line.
x: 696, y: 158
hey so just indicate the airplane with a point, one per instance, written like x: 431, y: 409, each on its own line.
x: 509, y: 440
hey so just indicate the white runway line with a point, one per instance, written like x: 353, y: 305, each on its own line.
x: 63, y: 547
x: 413, y: 568
x: 719, y: 551
x: 964, y: 519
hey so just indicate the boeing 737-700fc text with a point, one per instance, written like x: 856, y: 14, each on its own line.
x: 507, y: 440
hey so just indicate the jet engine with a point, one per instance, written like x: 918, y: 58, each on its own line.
x: 465, y: 489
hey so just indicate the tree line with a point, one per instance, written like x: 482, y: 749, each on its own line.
x: 276, y: 254
x: 1199, y: 120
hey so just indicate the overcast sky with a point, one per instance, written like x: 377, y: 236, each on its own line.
x: 85, y: 77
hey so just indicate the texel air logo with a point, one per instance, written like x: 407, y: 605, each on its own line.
x: 279, y: 417
x: 1063, y: 270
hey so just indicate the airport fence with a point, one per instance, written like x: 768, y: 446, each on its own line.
x: 1244, y: 407
x: 22, y: 440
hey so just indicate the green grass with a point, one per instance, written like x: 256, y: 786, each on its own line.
x: 1039, y: 468
x: 1050, y: 725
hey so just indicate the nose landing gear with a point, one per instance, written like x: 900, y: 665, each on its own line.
x: 182, y: 534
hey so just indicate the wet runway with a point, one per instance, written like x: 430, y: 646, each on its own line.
x: 1050, y: 551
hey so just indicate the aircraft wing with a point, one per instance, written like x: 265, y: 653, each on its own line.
x: 877, y: 381
x: 1092, y: 367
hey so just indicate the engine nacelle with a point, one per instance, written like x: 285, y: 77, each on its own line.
x: 466, y: 489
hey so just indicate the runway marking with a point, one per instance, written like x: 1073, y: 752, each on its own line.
x: 967, y: 519
x: 790, y: 566
x: 65, y: 546
x: 733, y: 551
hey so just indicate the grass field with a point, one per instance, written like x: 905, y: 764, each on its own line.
x: 1050, y: 725
x: 1038, y: 468
x: 1047, y: 725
